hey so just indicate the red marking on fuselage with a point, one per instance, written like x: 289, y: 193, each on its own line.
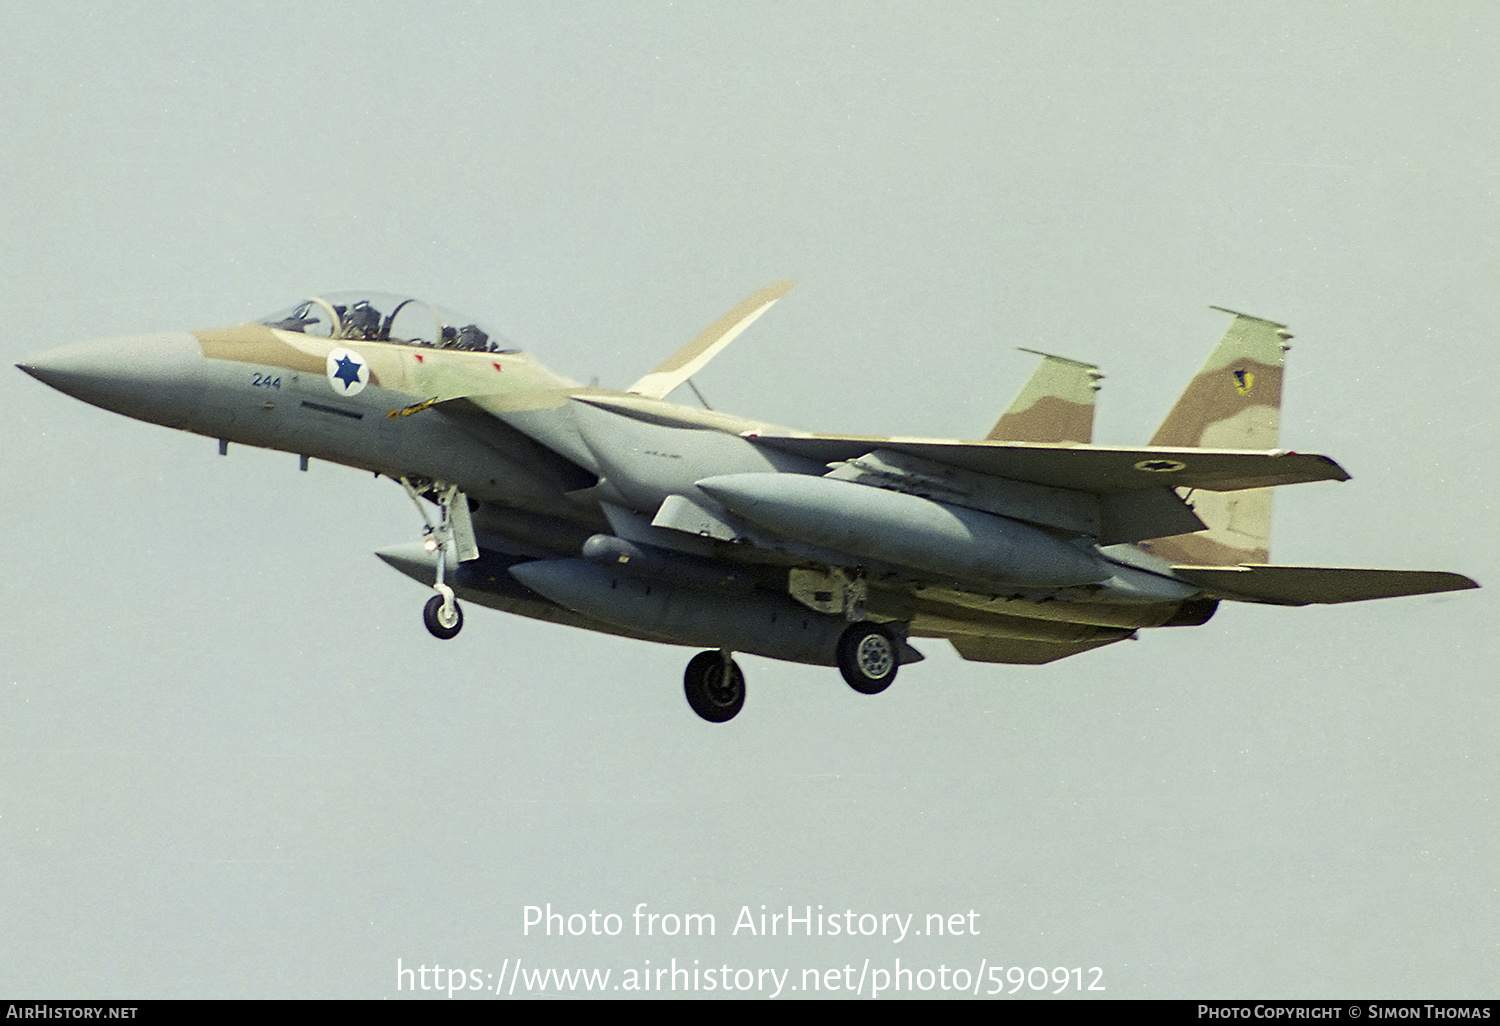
x: 495, y: 365
x: 418, y: 356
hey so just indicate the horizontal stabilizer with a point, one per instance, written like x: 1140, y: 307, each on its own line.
x: 1305, y: 585
x: 694, y: 356
x: 1017, y: 651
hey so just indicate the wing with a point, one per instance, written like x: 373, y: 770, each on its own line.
x: 1113, y: 494
x: 1099, y: 469
x: 694, y: 356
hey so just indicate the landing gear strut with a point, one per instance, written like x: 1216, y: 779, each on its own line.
x: 451, y: 537
x: 715, y: 686
x: 868, y: 657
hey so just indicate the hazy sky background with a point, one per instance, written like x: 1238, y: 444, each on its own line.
x: 232, y: 762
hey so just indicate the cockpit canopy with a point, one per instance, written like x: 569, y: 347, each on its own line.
x: 378, y: 317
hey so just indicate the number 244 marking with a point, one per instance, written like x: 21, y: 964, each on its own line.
x: 265, y: 381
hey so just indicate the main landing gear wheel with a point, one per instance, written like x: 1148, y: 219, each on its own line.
x: 715, y: 686
x: 441, y: 626
x: 868, y: 657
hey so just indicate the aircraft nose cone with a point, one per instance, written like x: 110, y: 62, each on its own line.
x: 129, y: 375
x: 38, y: 367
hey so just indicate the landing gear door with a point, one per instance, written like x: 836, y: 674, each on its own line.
x: 463, y: 529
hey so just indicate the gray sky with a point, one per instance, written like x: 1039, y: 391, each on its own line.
x: 232, y: 763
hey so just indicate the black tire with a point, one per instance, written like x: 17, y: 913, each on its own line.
x: 430, y: 617
x: 712, y: 697
x: 868, y: 657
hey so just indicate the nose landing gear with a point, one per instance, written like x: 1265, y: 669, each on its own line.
x: 452, y: 536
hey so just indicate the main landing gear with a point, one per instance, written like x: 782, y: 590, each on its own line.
x: 451, y: 537
x: 868, y: 656
x: 715, y: 686
x: 867, y: 653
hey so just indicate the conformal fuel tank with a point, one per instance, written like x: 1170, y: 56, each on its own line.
x: 906, y: 530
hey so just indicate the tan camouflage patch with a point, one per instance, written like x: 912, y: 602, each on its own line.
x: 1234, y: 402
x: 933, y: 621
x: 1049, y: 419
x: 256, y: 343
x: 694, y: 356
x: 1249, y: 392
x: 955, y: 603
x: 1201, y: 549
x: 1239, y: 530
x: 511, y: 380
x: 1056, y: 405
x: 1243, y: 371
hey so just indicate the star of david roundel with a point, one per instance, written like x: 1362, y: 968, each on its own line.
x: 1161, y: 466
x: 348, y: 373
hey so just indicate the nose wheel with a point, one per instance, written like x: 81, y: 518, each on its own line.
x: 443, y: 616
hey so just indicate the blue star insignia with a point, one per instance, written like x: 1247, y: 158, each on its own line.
x: 348, y: 372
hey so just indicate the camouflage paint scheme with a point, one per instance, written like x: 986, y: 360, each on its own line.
x: 625, y: 513
x: 1233, y: 402
x: 1056, y: 405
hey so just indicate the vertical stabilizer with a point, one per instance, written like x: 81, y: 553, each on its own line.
x: 1233, y: 402
x: 1056, y: 405
x: 694, y: 356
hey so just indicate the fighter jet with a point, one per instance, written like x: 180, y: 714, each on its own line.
x: 626, y: 513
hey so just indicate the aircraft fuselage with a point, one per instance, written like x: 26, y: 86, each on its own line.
x: 627, y: 514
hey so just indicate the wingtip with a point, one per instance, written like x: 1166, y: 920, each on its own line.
x: 1343, y: 475
x: 1338, y: 472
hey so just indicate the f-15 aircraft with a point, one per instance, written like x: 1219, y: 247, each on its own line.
x: 625, y: 513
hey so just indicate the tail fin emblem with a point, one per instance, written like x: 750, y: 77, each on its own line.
x: 1244, y: 381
